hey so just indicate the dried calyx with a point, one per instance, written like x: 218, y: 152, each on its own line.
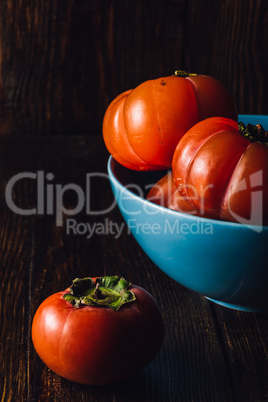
x: 254, y: 133
x: 107, y: 291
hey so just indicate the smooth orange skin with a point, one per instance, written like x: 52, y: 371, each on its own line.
x: 153, y: 117
x: 165, y: 193
x: 239, y: 201
x: 156, y: 115
x: 96, y: 345
x: 118, y: 143
x: 212, y: 97
x: 209, y: 165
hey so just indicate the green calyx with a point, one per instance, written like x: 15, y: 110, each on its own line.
x: 254, y: 133
x: 106, y: 291
x: 183, y: 74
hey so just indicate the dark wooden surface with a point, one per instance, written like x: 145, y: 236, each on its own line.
x: 209, y: 353
x: 62, y: 62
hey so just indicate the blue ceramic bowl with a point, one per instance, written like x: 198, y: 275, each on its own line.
x: 226, y: 262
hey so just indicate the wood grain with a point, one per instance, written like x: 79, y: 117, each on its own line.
x: 62, y: 63
x: 228, y: 41
x: 209, y: 353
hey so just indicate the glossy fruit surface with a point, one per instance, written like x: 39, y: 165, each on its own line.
x: 142, y: 127
x: 222, y: 172
x: 98, y: 331
x: 165, y: 193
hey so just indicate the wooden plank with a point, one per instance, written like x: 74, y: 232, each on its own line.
x: 244, y: 340
x: 15, y: 259
x: 226, y: 40
x: 61, y: 64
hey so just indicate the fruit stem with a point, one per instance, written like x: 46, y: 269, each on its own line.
x: 183, y: 74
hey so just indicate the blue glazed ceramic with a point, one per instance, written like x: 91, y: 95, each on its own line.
x: 226, y: 262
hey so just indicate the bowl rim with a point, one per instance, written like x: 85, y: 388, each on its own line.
x: 237, y: 226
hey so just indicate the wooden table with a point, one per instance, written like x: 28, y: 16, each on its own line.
x: 209, y: 353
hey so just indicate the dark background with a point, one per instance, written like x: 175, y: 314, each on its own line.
x: 62, y: 62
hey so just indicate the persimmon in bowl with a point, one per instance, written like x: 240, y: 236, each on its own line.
x: 221, y: 260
